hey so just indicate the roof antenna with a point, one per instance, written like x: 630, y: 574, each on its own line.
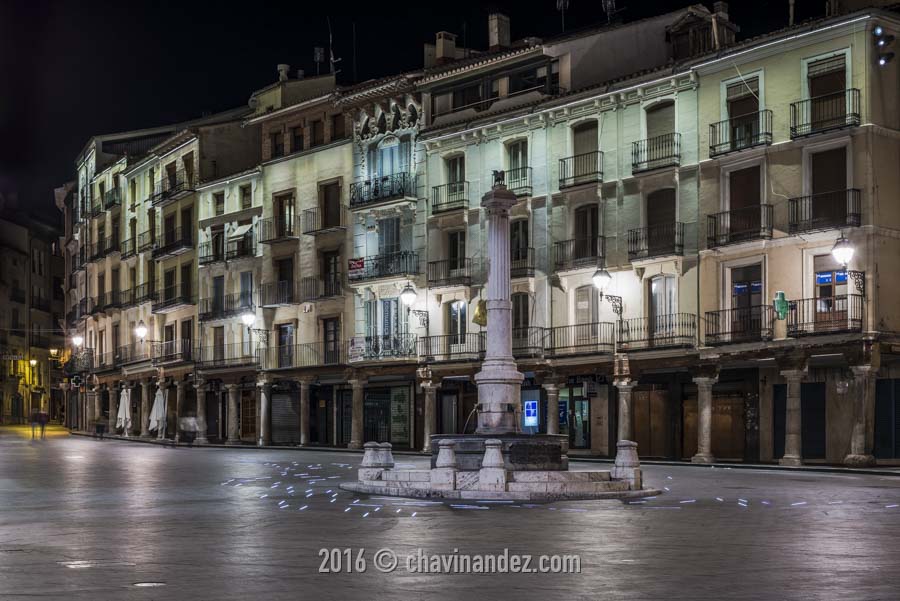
x: 334, y: 61
x: 561, y: 6
x: 609, y: 7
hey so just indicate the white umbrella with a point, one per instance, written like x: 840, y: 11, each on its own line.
x: 158, y: 413
x: 123, y: 419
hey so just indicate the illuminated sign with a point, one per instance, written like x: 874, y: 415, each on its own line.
x: 531, y: 414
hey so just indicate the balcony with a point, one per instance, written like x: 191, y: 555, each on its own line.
x: 518, y: 181
x: 146, y: 241
x: 110, y: 300
x: 135, y: 352
x: 173, y: 243
x: 527, y: 342
x: 656, y: 153
x: 399, y: 264
x: 277, y: 229
x: 240, y: 247
x: 172, y: 351
x: 126, y: 298
x: 172, y: 298
x: 675, y: 330
x: 96, y: 208
x: 315, y: 288
x: 450, y: 272
x: 829, y: 210
x: 211, y: 252
x: 740, y: 133
x: 734, y: 326
x: 739, y: 225
x: 95, y: 304
x: 128, y: 248
x: 825, y: 113
x: 316, y: 221
x: 104, y: 247
x: 579, y: 253
x: 143, y: 293
x: 521, y: 263
x: 112, y: 198
x: 39, y: 303
x: 104, y: 362
x: 381, y: 189
x: 17, y: 295
x: 79, y: 259
x: 229, y: 305
x: 581, y: 339
x: 172, y: 186
x: 660, y: 240
x: 829, y: 315
x: 312, y: 354
x: 227, y: 356
x: 452, y: 347
x: 80, y: 362
x: 580, y: 169
x: 449, y: 197
x: 382, y: 347
x: 279, y: 294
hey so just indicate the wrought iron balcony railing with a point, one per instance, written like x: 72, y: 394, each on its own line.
x: 319, y: 221
x: 657, y: 332
x: 452, y: 347
x: 314, y: 288
x: 449, y: 197
x: 228, y: 305
x: 173, y: 242
x: 172, y: 351
x: 581, y: 169
x: 380, y: 189
x: 112, y: 198
x: 518, y: 180
x: 396, y: 264
x: 451, y: 272
x: 146, y: 241
x: 739, y: 225
x: 740, y: 133
x: 143, y: 293
x: 238, y: 248
x: 211, y: 252
x: 656, y: 241
x: 826, y: 315
x: 312, y: 354
x: 135, y: 352
x: 521, y: 262
x: 387, y: 346
x: 240, y: 354
x: 581, y: 339
x: 825, y: 113
x: 527, y: 342
x: 275, y: 294
x: 838, y: 209
x: 276, y: 229
x: 172, y: 186
x: 656, y: 153
x: 578, y: 253
x: 744, y: 324
x: 173, y: 297
x: 128, y: 248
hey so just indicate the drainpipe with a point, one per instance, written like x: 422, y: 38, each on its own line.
x: 791, y: 13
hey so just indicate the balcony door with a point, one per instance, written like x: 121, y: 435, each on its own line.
x: 285, y: 345
x: 389, y: 259
x: 331, y: 329
x: 456, y: 178
x: 587, y: 232
x: 521, y: 320
x: 827, y: 81
x: 186, y: 284
x: 169, y: 340
x: 517, y: 164
x: 518, y: 243
x: 217, y: 303
x: 830, y: 294
x: 828, y: 207
x: 456, y: 322
x: 661, y: 216
x: 663, y: 306
x: 746, y: 303
x: 742, y: 100
x: 169, y: 229
x: 585, y: 142
x: 187, y: 223
x: 587, y: 314
x: 187, y: 339
x: 169, y: 285
x: 744, y: 211
x: 246, y: 289
x: 285, y: 210
x: 285, y: 289
x: 218, y: 353
x: 331, y: 272
x: 330, y: 205
x: 456, y: 253
x: 660, y: 120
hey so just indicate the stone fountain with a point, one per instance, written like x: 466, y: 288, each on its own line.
x: 498, y: 462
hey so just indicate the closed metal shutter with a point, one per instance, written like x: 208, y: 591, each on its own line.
x: 285, y: 418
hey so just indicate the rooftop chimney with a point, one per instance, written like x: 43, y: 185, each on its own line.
x: 498, y: 31
x: 721, y: 9
x: 283, y: 72
x: 301, y: 73
x: 445, y: 47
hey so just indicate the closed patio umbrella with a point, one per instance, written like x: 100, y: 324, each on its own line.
x: 158, y: 413
x: 123, y: 419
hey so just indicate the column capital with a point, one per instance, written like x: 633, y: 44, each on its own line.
x: 793, y: 374
x: 704, y: 381
x: 431, y: 385
x: 625, y: 384
x: 230, y: 387
x: 357, y: 382
x: 180, y: 384
x: 305, y: 382
x: 552, y: 386
x: 863, y: 371
x: 200, y: 384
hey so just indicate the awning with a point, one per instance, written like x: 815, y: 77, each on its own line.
x: 240, y: 232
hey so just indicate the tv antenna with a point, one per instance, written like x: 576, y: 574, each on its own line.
x: 334, y: 61
x: 562, y: 6
x: 609, y: 7
x: 318, y: 57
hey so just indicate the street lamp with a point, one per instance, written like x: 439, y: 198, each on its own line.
x: 77, y: 340
x: 842, y: 251
x: 248, y: 317
x: 601, y: 278
x: 32, y: 362
x: 408, y: 295
x: 140, y: 330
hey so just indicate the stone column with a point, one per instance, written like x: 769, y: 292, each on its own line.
x: 429, y: 423
x: 356, y: 419
x: 704, y: 420
x: 625, y: 388
x: 200, y: 387
x: 98, y: 405
x: 863, y: 406
x: 304, y: 413
x: 792, y: 432
x: 234, y: 418
x: 113, y: 408
x: 552, y: 389
x: 179, y: 405
x: 146, y: 404
x: 499, y: 381
x: 264, y: 389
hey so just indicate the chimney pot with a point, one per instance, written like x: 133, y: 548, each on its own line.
x: 283, y: 70
x: 498, y: 31
x: 445, y: 47
x: 301, y: 73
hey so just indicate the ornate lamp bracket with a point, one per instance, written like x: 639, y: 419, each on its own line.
x: 859, y: 280
x: 615, y: 301
x: 422, y: 316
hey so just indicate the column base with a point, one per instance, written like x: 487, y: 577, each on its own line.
x: 233, y: 442
x: 791, y: 460
x: 353, y: 444
x: 703, y: 458
x: 859, y: 460
x: 201, y: 440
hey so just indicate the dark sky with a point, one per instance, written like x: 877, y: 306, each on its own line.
x: 72, y: 69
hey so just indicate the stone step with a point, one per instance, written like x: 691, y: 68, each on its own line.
x: 406, y: 476
x: 567, y: 487
x: 558, y: 476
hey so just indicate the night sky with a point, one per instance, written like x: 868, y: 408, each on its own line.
x: 74, y: 69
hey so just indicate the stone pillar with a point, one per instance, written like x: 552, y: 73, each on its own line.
x: 356, y: 419
x: 499, y: 381
x: 146, y: 404
x: 625, y: 388
x: 200, y: 387
x: 443, y: 474
x: 552, y: 389
x: 304, y: 412
x: 264, y: 389
x: 792, y: 433
x: 863, y: 406
x: 179, y: 405
x: 234, y: 418
x: 429, y: 424
x: 492, y: 475
x: 704, y: 420
x: 113, y: 408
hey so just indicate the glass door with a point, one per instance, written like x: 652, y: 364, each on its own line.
x: 580, y: 418
x: 332, y: 339
x: 285, y: 345
x: 746, y: 301
x: 663, y: 306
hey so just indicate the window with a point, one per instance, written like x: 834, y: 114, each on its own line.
x: 388, y: 236
x: 456, y: 250
x: 218, y: 343
x: 186, y: 284
x: 456, y: 177
x: 745, y: 216
x: 284, y: 215
x: 827, y: 80
x: 456, y: 321
x: 246, y: 288
x: 296, y: 139
x: 663, y: 305
x: 661, y: 215
x: 338, y: 131
x: 830, y: 284
x: 828, y: 178
x: 587, y: 306
x: 587, y: 232
x: 246, y: 197
x: 585, y: 141
x: 276, y: 144
x: 518, y: 239
x: 746, y: 298
x: 330, y: 199
x: 660, y: 119
x: 467, y: 97
x: 317, y: 129
x: 132, y: 187
x: 219, y: 202
x: 520, y: 313
x: 517, y: 161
